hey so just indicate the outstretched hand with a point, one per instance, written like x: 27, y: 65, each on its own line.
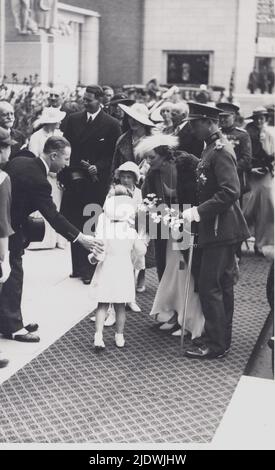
x: 90, y: 243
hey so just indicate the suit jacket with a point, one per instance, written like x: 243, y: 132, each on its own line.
x: 31, y: 191
x: 188, y: 142
x: 95, y: 143
x: 20, y: 141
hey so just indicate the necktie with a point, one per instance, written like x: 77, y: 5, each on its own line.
x: 90, y: 120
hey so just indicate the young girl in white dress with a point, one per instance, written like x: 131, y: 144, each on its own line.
x: 128, y: 175
x: 113, y: 281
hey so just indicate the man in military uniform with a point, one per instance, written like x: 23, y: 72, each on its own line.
x: 221, y: 227
x: 240, y: 141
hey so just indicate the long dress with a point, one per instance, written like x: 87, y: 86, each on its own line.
x: 51, y: 238
x: 258, y: 206
x: 113, y: 281
x: 170, y: 299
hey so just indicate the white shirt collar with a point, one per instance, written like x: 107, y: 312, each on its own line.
x: 45, y: 164
x: 94, y: 115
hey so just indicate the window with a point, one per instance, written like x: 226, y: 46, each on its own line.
x: 188, y: 68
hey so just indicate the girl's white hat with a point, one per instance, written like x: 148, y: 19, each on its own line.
x: 130, y: 166
x: 119, y: 208
x: 51, y: 115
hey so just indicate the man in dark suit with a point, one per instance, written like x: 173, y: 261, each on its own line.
x: 93, y: 135
x: 188, y: 141
x: 221, y: 227
x: 7, y: 122
x: 31, y: 191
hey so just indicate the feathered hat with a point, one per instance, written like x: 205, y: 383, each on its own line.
x: 153, y: 141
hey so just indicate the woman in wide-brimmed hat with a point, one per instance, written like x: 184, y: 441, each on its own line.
x: 115, y: 110
x: 172, y: 178
x: 139, y: 127
x: 50, y: 120
x: 259, y: 203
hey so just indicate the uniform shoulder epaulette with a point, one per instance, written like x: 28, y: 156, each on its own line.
x: 241, y: 129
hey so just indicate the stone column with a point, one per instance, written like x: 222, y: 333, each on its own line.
x: 245, y: 43
x: 89, y: 50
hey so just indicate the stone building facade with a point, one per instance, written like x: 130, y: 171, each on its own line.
x: 131, y: 41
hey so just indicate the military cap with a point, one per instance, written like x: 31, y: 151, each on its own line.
x: 202, y: 111
x: 228, y: 108
x: 96, y: 89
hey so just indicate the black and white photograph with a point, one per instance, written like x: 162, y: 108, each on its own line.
x: 137, y: 147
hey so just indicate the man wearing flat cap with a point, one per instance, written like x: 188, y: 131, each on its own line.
x: 221, y: 227
x: 92, y: 134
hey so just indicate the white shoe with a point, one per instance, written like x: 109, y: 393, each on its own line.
x: 167, y: 326
x: 110, y: 318
x: 177, y: 332
x: 134, y: 307
x: 119, y: 340
x: 98, y: 341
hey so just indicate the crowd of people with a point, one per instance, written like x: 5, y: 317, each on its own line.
x: 88, y: 165
x: 262, y: 80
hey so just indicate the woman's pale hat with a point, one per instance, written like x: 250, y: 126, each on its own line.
x: 139, y: 112
x: 51, y: 115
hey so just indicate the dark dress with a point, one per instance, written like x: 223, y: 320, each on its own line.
x: 179, y: 176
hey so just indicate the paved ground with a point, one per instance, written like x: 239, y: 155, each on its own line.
x: 145, y: 393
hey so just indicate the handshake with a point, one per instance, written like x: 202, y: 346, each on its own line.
x: 91, y: 244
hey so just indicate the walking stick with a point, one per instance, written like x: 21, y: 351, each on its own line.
x: 186, y: 293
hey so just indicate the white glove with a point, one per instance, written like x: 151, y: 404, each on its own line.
x: 5, y: 269
x: 190, y: 215
x: 169, y: 93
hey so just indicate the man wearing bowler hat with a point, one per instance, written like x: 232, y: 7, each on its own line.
x: 92, y: 134
x: 221, y: 227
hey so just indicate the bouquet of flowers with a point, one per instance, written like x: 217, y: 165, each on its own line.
x: 169, y: 216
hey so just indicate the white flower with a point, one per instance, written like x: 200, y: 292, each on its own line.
x: 156, y: 217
